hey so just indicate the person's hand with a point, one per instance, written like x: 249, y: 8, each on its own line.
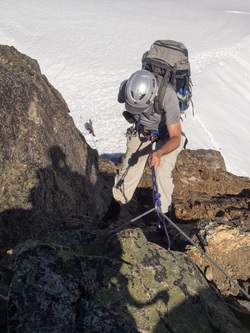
x: 155, y: 160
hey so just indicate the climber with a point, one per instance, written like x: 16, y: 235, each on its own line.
x: 138, y: 93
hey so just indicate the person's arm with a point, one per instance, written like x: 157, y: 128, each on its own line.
x: 173, y: 143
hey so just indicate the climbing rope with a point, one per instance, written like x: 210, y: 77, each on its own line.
x: 157, y: 200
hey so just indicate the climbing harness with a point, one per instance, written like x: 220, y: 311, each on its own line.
x: 152, y: 136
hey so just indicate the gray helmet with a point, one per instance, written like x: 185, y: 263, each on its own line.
x: 140, y: 91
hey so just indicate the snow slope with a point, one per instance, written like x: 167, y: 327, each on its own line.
x: 86, y: 48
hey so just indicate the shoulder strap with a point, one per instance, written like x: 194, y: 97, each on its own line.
x: 163, y: 82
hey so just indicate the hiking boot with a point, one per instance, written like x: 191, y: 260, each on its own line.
x: 112, y: 213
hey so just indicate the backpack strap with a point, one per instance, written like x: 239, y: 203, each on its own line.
x: 163, y: 82
x: 173, y: 76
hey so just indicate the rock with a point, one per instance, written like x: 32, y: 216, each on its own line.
x: 108, y: 171
x: 203, y: 187
x: 47, y: 169
x: 45, y: 289
x: 128, y: 285
x: 227, y: 244
x: 6, y: 275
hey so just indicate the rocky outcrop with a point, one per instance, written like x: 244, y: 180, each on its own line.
x: 204, y: 188
x: 228, y: 245
x: 127, y: 284
x: 47, y: 170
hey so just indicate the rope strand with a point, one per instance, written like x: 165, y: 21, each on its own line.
x: 157, y: 200
x: 157, y: 204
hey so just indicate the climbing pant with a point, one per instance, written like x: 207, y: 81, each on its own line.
x: 138, y: 150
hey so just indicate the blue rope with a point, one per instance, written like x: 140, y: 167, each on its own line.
x: 157, y: 200
x: 157, y: 204
x: 156, y: 195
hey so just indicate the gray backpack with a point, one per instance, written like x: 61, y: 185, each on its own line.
x: 168, y: 61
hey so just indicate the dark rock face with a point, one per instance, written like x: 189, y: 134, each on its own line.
x: 129, y: 285
x: 47, y: 169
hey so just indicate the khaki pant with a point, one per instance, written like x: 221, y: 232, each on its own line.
x: 138, y: 150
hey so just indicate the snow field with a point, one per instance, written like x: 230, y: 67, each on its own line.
x: 86, y: 48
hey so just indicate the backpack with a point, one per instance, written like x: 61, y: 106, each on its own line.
x: 168, y: 61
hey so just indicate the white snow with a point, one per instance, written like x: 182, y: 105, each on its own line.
x: 86, y: 48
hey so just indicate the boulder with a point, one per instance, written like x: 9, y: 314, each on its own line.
x: 126, y: 284
x: 203, y: 187
x: 227, y: 244
x: 47, y: 170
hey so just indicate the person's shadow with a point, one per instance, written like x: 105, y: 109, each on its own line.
x: 59, y: 193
